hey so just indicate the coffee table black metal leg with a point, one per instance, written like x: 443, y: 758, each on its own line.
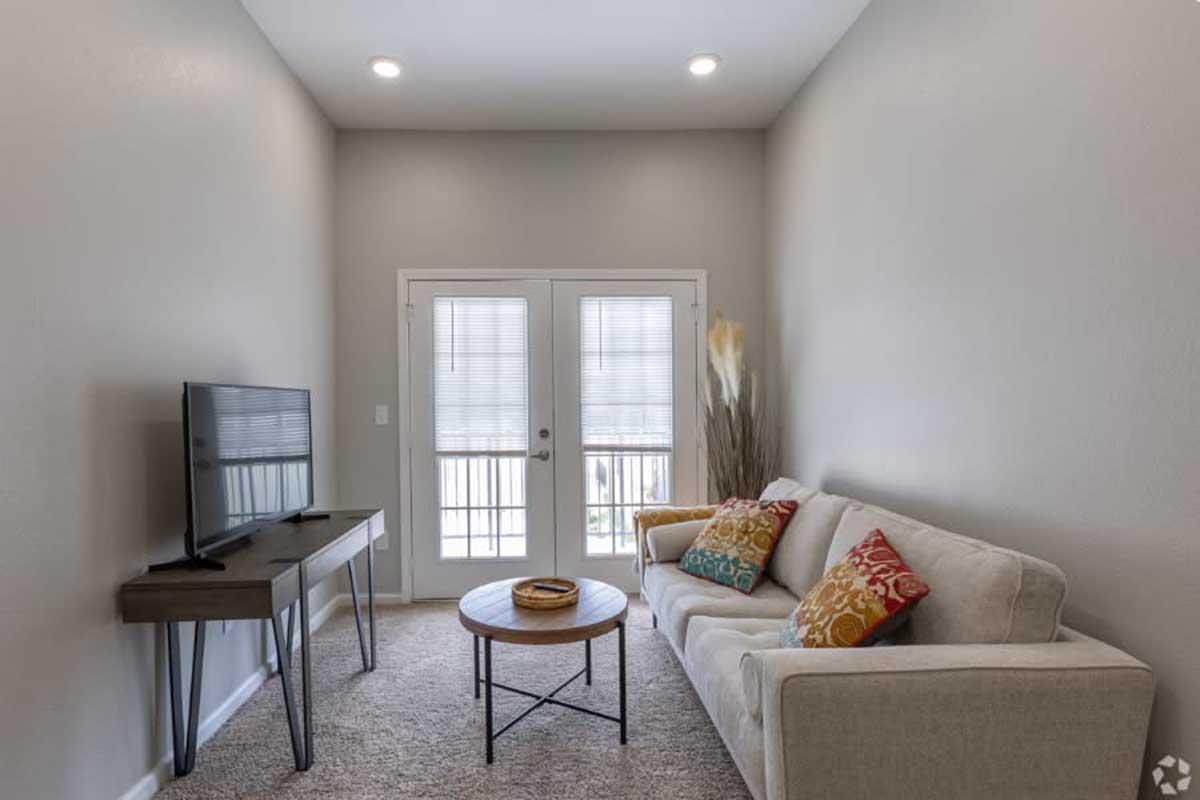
x: 621, y: 670
x: 487, y: 692
x: 587, y: 659
x: 476, y: 638
x: 306, y: 667
x: 285, y: 679
x: 491, y: 734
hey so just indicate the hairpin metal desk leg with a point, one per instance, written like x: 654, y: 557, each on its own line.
x: 194, y: 702
x: 289, y: 698
x: 362, y: 642
x: 175, y: 695
x: 291, y: 629
x: 183, y: 736
x: 306, y: 667
x: 371, y: 594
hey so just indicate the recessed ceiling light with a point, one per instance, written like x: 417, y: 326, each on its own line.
x: 385, y: 67
x: 705, y: 64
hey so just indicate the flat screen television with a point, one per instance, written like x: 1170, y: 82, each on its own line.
x: 248, y: 457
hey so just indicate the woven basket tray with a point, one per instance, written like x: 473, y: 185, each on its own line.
x: 525, y: 595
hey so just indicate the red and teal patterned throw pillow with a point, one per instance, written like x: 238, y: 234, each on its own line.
x: 736, y: 544
x: 867, y: 595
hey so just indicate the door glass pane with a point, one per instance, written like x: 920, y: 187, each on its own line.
x: 656, y: 478
x: 512, y: 533
x: 599, y: 529
x: 481, y: 424
x: 482, y: 502
x: 626, y: 413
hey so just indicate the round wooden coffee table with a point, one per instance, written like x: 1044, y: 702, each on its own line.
x: 490, y: 614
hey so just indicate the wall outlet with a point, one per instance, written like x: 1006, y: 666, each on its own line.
x: 381, y: 415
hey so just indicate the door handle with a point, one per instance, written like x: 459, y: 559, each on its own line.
x: 541, y: 455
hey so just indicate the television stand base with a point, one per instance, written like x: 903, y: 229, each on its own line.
x: 187, y: 562
x: 305, y: 517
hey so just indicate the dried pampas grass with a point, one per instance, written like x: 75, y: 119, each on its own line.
x: 743, y: 442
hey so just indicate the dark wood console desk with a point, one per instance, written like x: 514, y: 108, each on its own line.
x: 270, y: 574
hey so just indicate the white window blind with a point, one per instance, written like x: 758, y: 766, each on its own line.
x: 626, y: 371
x: 480, y: 374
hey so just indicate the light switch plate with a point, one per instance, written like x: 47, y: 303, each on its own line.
x: 381, y: 415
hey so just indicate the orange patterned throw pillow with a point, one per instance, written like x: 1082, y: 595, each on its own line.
x: 736, y: 544
x: 862, y: 598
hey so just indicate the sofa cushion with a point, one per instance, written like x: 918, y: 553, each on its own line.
x: 787, y: 489
x: 799, y: 560
x: 737, y: 543
x: 676, y: 597
x: 981, y: 594
x: 649, y: 518
x: 713, y: 662
x: 723, y: 643
x: 857, y: 521
x: 670, y: 542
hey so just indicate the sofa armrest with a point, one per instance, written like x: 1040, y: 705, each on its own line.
x: 670, y: 542
x: 1064, y: 719
x: 649, y: 518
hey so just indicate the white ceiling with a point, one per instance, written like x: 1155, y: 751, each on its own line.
x: 553, y: 64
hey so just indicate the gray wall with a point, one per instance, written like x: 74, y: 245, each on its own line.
x: 165, y: 196
x: 983, y: 271
x: 535, y: 200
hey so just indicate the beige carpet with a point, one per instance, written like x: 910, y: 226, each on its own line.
x: 412, y: 729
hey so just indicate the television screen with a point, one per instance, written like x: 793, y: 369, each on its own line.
x: 249, y: 459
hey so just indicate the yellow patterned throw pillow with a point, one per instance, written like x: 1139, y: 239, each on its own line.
x: 862, y: 598
x: 736, y: 544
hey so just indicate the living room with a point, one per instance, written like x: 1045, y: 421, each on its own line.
x: 767, y: 400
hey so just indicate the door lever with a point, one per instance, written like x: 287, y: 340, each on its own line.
x: 541, y: 455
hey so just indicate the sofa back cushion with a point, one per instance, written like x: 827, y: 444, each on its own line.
x: 981, y: 594
x: 799, y: 559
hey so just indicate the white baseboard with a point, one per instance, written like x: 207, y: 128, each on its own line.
x: 164, y: 770
x: 388, y: 599
x: 150, y: 783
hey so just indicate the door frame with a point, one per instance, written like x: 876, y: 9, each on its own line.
x: 405, y: 277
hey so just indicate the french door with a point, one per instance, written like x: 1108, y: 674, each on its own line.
x: 543, y: 414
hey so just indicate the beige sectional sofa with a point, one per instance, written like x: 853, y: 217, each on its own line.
x: 984, y: 696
